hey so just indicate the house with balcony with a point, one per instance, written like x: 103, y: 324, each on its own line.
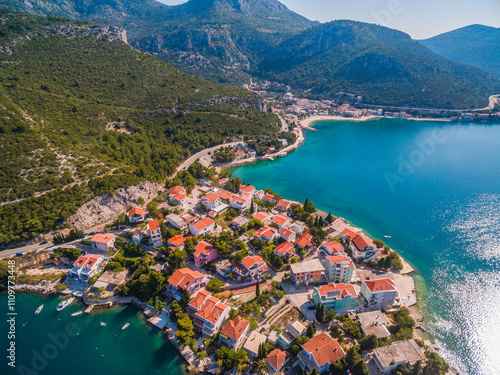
x: 378, y: 294
x: 251, y: 267
x: 154, y: 233
x: 288, y: 235
x: 282, y: 221
x: 86, y: 266
x: 338, y: 297
x: 291, y: 332
x: 240, y: 203
x: 339, y: 268
x: 331, y: 248
x: 319, y: 352
x: 176, y: 190
x: 207, y: 313
x: 176, y: 242
x: 103, y: 242
x: 266, y: 233
x: 307, y: 272
x: 283, y: 205
x: 269, y: 198
x: 258, y: 194
x: 136, y: 215
x: 284, y: 250
x: 362, y: 247
x: 204, y: 253
x: 202, y: 227
x: 234, y: 332
x: 211, y: 201
x: 185, y: 279
x: 263, y: 216
x: 178, y: 198
x: 247, y: 189
x: 306, y: 242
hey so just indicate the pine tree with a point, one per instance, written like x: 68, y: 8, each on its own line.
x: 320, y: 313
x: 257, y: 289
x: 310, y: 331
x: 314, y: 326
x: 252, y: 208
x: 329, y: 218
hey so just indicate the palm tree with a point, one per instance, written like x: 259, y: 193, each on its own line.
x: 260, y: 366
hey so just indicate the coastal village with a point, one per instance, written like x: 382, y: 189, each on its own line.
x: 242, y: 280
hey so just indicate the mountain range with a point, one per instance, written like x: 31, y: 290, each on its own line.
x: 475, y: 45
x: 229, y: 41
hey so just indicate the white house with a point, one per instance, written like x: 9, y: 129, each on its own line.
x: 388, y: 358
x: 207, y: 313
x: 87, y: 266
x: 240, y: 203
x: 176, y: 221
x: 202, y: 227
x: 378, y: 294
x: 135, y: 215
x: 103, y: 242
x: 210, y: 201
x: 154, y: 233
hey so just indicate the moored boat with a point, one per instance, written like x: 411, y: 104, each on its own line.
x: 102, y: 324
x: 65, y: 304
x: 39, y: 309
x: 77, y: 313
x: 125, y: 326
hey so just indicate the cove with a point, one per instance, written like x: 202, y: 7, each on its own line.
x: 435, y: 188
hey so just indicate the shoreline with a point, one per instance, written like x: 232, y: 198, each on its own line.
x: 409, y: 270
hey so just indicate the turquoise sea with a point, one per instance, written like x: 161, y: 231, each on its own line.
x: 435, y: 188
x: 55, y: 343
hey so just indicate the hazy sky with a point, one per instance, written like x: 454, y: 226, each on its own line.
x: 419, y: 18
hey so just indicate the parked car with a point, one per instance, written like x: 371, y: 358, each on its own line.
x: 19, y: 254
x: 312, y: 307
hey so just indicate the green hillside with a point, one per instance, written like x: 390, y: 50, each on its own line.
x: 215, y: 39
x: 76, y: 103
x: 475, y: 45
x: 385, y: 66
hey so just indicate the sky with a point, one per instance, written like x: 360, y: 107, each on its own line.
x: 419, y: 18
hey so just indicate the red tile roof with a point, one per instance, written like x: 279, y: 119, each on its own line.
x: 361, y: 242
x: 380, y: 285
x: 87, y: 260
x: 250, y: 261
x: 261, y: 215
x: 211, y: 197
x: 277, y: 358
x: 136, y: 211
x: 153, y: 224
x: 235, y: 328
x: 265, y: 231
x: 334, y: 247
x: 176, y: 240
x: 203, y: 247
x: 102, y: 238
x: 283, y: 204
x: 336, y: 259
x: 223, y: 194
x: 183, y: 277
x: 324, y: 349
x: 178, y: 197
x: 348, y: 233
x: 268, y: 197
x: 285, y: 248
x: 247, y: 189
x: 337, y: 291
x: 305, y: 240
x: 281, y: 220
x: 203, y: 223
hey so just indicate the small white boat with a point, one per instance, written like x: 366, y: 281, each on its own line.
x: 102, y: 324
x: 65, y: 304
x: 77, y: 313
x: 39, y: 309
x: 387, y: 236
x: 281, y: 154
x: 125, y: 326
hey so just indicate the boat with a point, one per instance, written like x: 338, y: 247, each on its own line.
x: 387, y: 236
x: 267, y: 157
x: 39, y: 309
x: 125, y: 326
x: 102, y: 324
x: 77, y: 313
x: 281, y: 154
x: 65, y: 304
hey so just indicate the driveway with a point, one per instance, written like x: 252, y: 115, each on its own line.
x: 302, y: 301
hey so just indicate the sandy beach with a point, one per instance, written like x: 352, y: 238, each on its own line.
x: 311, y: 120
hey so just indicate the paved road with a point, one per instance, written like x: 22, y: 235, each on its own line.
x: 201, y: 154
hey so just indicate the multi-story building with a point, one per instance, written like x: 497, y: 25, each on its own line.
x: 240, y: 203
x: 339, y: 268
x: 332, y: 248
x: 389, y: 358
x: 135, y: 215
x: 338, y: 297
x: 251, y: 267
x: 185, y: 279
x: 362, y: 247
x: 233, y: 332
x: 378, y: 294
x: 210, y: 201
x: 154, y: 232
x: 103, y: 242
x: 305, y: 242
x: 282, y: 221
x: 266, y: 233
x: 307, y: 272
x: 284, y: 250
x: 204, y: 253
x: 207, y: 313
x: 86, y: 266
x: 291, y: 332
